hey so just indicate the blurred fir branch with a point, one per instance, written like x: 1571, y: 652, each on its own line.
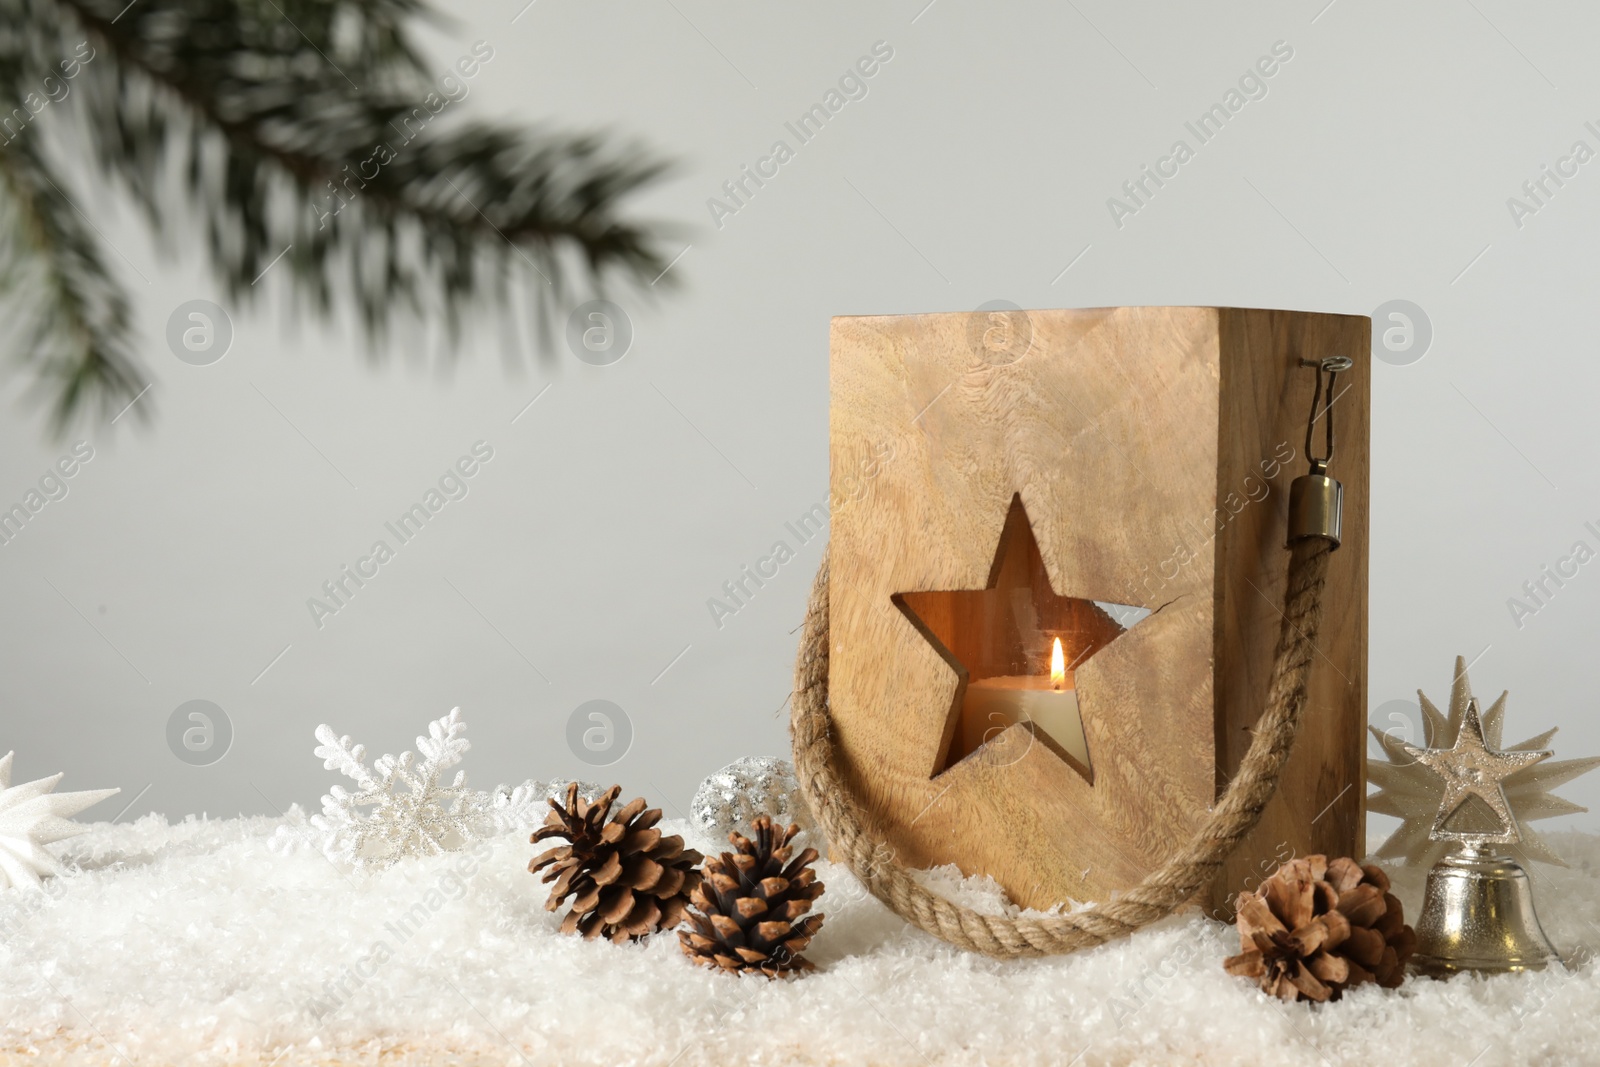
x: 304, y: 125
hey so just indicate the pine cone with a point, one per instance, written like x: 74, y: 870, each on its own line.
x: 748, y: 903
x: 1317, y: 927
x: 626, y: 880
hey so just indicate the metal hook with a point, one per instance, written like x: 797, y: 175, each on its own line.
x: 1316, y: 501
x: 1331, y: 366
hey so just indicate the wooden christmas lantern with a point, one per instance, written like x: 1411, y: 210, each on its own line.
x: 1056, y: 578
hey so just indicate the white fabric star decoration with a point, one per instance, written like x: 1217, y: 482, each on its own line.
x: 32, y: 816
x: 1423, y: 798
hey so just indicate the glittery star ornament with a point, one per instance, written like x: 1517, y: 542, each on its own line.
x: 1470, y: 769
x: 1460, y: 784
x: 32, y: 815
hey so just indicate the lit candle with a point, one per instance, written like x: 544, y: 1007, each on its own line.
x: 992, y: 704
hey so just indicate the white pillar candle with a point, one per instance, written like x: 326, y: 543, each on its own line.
x: 992, y: 704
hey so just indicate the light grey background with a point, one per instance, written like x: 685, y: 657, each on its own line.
x: 978, y: 167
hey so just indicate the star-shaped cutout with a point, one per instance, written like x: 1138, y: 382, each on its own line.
x: 1471, y: 769
x: 999, y: 639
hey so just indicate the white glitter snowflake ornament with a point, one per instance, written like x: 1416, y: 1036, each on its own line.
x: 401, y: 806
x: 504, y: 809
x: 32, y: 816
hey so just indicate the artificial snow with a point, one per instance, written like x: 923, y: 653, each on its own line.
x: 196, y: 943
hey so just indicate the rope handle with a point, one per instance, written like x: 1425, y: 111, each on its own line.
x: 1164, y: 889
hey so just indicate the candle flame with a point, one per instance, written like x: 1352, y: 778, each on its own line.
x: 1058, y: 666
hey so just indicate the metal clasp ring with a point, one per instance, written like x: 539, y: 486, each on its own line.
x: 1331, y: 366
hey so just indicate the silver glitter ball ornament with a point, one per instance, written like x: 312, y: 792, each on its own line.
x: 557, y: 790
x: 755, y: 785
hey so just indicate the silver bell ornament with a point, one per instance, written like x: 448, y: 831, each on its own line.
x: 1477, y: 907
x: 1478, y: 915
